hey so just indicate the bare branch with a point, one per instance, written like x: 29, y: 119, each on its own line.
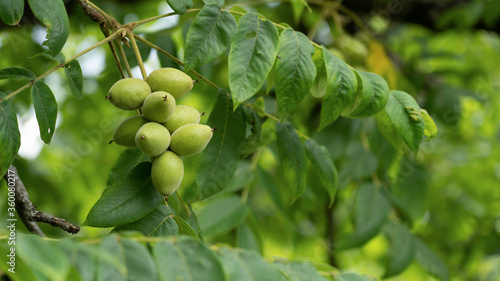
x: 28, y: 213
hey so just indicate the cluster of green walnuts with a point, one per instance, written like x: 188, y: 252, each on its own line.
x: 165, y: 131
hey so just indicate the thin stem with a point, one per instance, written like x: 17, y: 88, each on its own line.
x: 183, y: 203
x: 135, y: 24
x: 113, y: 51
x: 355, y: 18
x: 130, y: 35
x: 102, y: 42
x: 124, y: 57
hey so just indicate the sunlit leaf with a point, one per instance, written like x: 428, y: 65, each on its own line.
x: 253, y: 52
x: 11, y: 11
x: 127, y: 200
x: 373, y: 94
x: 431, y: 129
x: 292, y: 158
x: 318, y: 88
x: 341, y: 90
x: 45, y: 109
x: 52, y: 14
x: 219, y: 159
x: 295, y: 70
x: 209, y: 35
x: 184, y: 227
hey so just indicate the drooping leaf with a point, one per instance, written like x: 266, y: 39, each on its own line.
x: 209, y: 36
x: 431, y: 129
x: 430, y: 261
x: 127, y: 200
x: 9, y: 134
x: 318, y: 88
x: 292, y: 158
x: 295, y: 70
x: 248, y: 266
x: 253, y: 52
x: 11, y: 11
x: 159, y: 222
x: 184, y: 227
x: 180, y: 6
x: 341, y: 88
x: 371, y: 211
x: 52, y: 14
x: 322, y: 164
x: 387, y: 129
x: 219, y: 159
x: 401, y: 250
x: 17, y: 73
x: 44, y: 256
x: 139, y: 262
x: 127, y: 160
x: 222, y: 215
x: 187, y: 259
x: 299, y: 271
x: 373, y: 95
x: 74, y: 76
x: 405, y: 116
x: 248, y: 237
x: 45, y: 109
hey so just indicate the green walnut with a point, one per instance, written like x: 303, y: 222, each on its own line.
x: 152, y: 139
x: 167, y: 173
x: 183, y: 115
x: 125, y: 133
x: 170, y: 80
x: 129, y: 93
x: 190, y: 139
x: 158, y: 106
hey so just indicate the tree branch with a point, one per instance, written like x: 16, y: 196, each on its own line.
x: 28, y: 213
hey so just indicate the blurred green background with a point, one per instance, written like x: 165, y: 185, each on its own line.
x: 445, y: 53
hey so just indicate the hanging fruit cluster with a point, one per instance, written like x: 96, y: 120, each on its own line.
x: 165, y: 131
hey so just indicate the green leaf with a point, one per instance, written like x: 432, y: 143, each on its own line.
x: 44, y: 256
x: 405, y: 116
x: 351, y: 276
x: 45, y: 109
x: 222, y: 215
x: 219, y: 159
x: 127, y: 160
x: 126, y: 201
x: 220, y: 3
x: 111, y: 260
x: 22, y: 271
x: 322, y: 164
x: 249, y: 266
x: 295, y: 70
x: 159, y: 222
x: 53, y: 15
x: 297, y: 9
x: 401, y: 250
x: 431, y: 129
x: 209, y: 36
x: 187, y: 259
x: 384, y: 125
x: 253, y: 52
x: 184, y: 227
x: 319, y: 86
x: 74, y: 76
x: 371, y: 211
x: 430, y: 261
x: 11, y: 11
x: 373, y: 94
x: 9, y: 134
x: 139, y: 262
x: 17, y: 73
x: 247, y: 237
x: 299, y: 271
x: 292, y: 158
x: 180, y: 6
x: 83, y: 258
x: 341, y: 88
